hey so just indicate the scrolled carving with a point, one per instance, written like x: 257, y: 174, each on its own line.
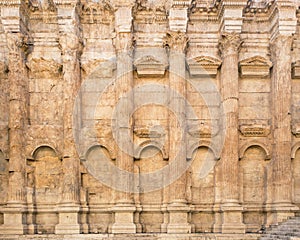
x: 16, y: 42
x: 177, y: 41
x: 230, y: 43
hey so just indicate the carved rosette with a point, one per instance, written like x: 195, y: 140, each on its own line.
x: 230, y: 43
x: 177, y: 41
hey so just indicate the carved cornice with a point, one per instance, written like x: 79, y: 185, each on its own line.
x: 149, y: 66
x: 203, y: 66
x: 258, y: 6
x: 148, y: 132
x: 256, y: 66
x: 230, y: 43
x: 202, y: 129
x: 255, y: 130
x: 97, y: 12
x: 177, y: 41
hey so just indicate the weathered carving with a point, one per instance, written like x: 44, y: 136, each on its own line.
x: 177, y: 41
x: 150, y: 66
x: 296, y: 130
x: 149, y: 132
x: 296, y: 69
x: 203, y: 66
x: 16, y: 42
x: 230, y: 43
x: 44, y: 68
x: 256, y: 66
x: 99, y: 68
x: 255, y: 130
x: 202, y: 129
x: 97, y: 12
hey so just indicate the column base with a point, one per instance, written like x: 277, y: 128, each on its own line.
x: 124, y: 219
x: 232, y: 218
x: 14, y: 219
x: 282, y: 211
x: 68, y: 220
x: 178, y: 218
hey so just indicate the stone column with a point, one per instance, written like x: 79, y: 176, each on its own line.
x: 71, y: 47
x: 178, y: 209
x: 124, y: 208
x: 281, y: 100
x: 232, y: 211
x: 14, y: 215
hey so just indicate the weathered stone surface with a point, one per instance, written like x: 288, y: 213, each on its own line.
x: 177, y: 119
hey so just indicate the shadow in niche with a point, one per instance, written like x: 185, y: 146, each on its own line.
x: 151, y: 218
x: 44, y: 177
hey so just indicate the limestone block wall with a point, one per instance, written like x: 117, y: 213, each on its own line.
x: 148, y: 116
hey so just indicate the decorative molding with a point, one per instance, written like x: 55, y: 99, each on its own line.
x: 44, y: 68
x: 202, y: 129
x: 149, y: 66
x: 253, y: 143
x: 97, y: 12
x: 256, y: 66
x: 177, y: 41
x: 230, y: 43
x: 99, y: 67
x: 255, y: 130
x: 296, y: 69
x: 203, y: 66
x: 149, y: 132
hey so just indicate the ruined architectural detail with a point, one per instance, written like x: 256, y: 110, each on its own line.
x: 174, y: 119
x: 255, y: 67
x: 203, y: 66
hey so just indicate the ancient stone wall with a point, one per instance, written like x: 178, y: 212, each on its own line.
x: 148, y: 116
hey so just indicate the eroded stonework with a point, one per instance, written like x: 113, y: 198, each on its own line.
x: 149, y: 116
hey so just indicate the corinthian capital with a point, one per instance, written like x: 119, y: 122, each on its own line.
x: 16, y: 42
x: 177, y: 41
x: 230, y: 43
x: 124, y: 42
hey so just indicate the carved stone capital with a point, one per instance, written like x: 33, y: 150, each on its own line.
x: 70, y: 45
x: 177, y: 41
x: 124, y: 42
x: 281, y: 44
x: 16, y: 42
x: 230, y: 43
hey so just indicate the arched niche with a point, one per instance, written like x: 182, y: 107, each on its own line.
x: 201, y: 186
x: 44, y: 178
x: 253, y: 185
x: 296, y: 177
x: 98, y: 192
x: 150, y: 160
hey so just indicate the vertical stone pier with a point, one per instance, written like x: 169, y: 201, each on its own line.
x: 16, y: 38
x: 70, y: 46
x: 124, y: 208
x: 177, y: 42
x: 232, y: 211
